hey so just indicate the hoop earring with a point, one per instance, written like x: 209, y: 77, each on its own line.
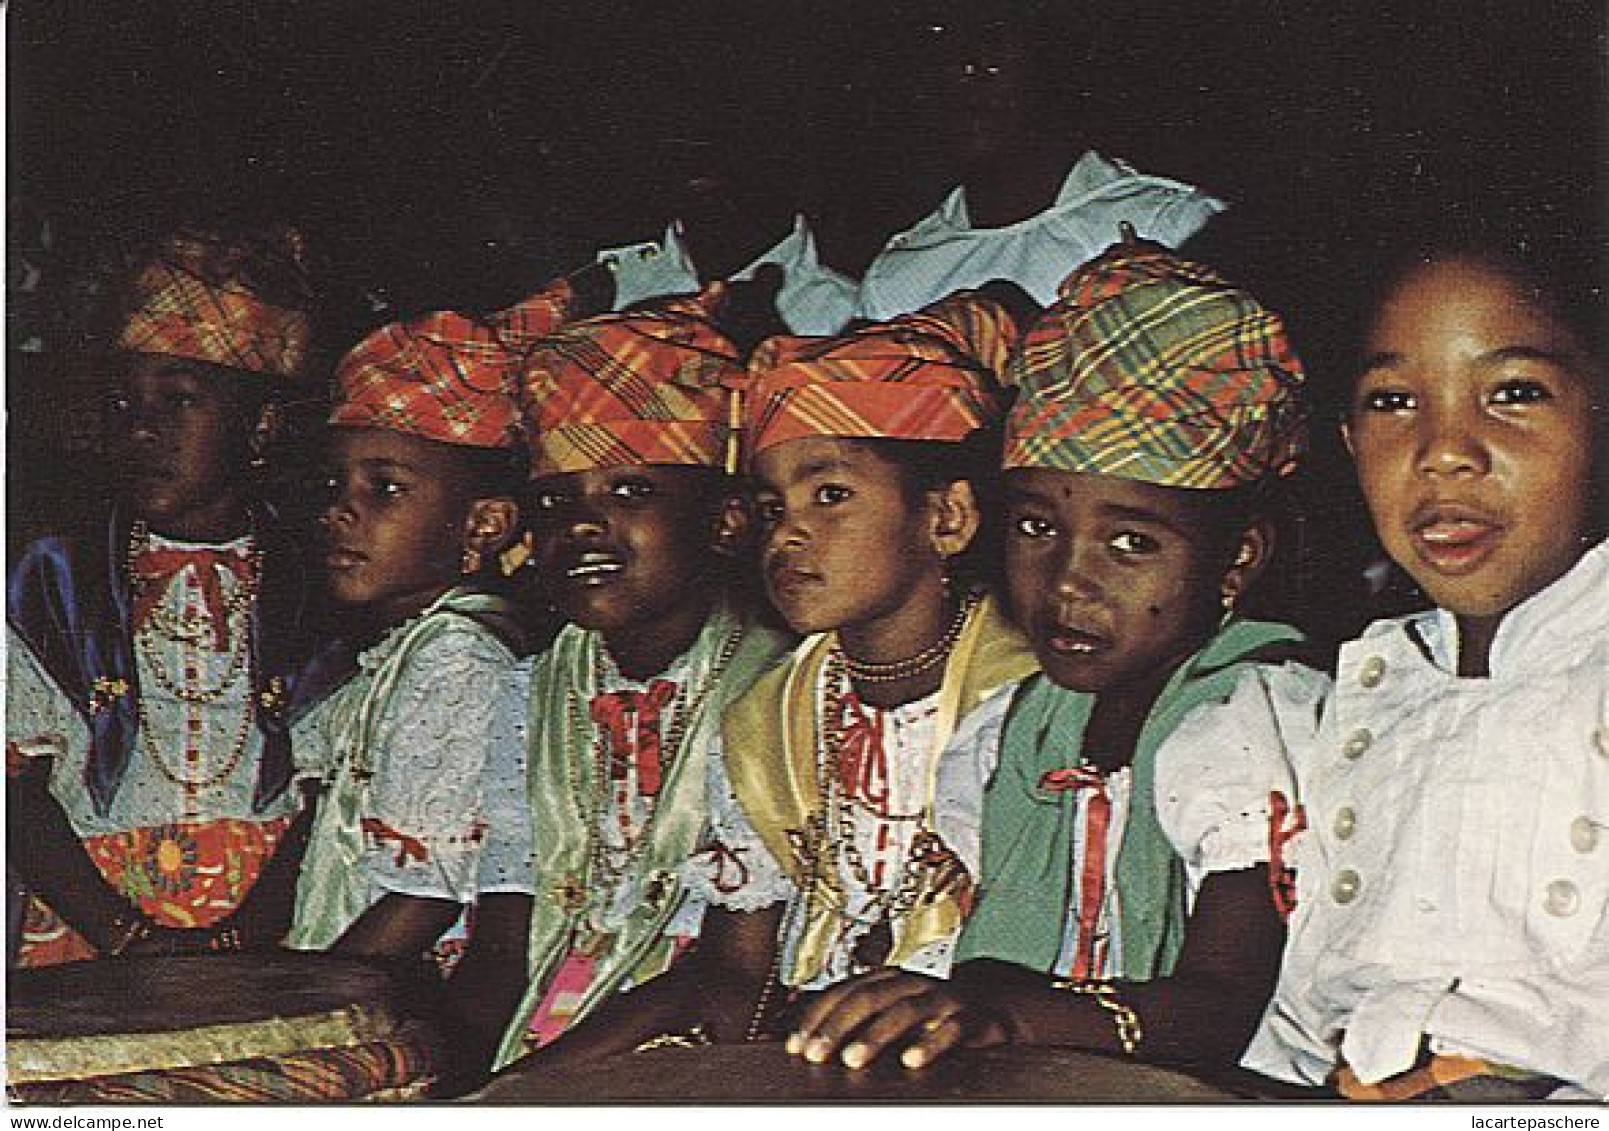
x: 469, y: 562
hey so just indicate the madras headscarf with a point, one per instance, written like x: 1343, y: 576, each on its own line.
x: 651, y: 385
x: 446, y: 376
x: 1153, y: 368
x: 931, y: 375
x: 239, y: 302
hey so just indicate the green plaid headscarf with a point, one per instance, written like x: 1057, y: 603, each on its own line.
x: 1153, y: 368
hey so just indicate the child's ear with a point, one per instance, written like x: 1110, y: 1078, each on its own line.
x: 956, y: 517
x: 1251, y: 557
x: 733, y: 524
x: 489, y: 526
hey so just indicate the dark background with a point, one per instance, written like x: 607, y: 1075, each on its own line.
x: 458, y: 155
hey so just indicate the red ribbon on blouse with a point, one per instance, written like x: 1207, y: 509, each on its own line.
x: 630, y: 719
x: 158, y: 568
x: 1092, y: 881
x: 862, y: 755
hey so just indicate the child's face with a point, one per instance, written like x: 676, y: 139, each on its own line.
x: 180, y: 431
x: 843, y: 545
x: 1113, y: 581
x: 627, y: 550
x: 394, y: 523
x: 1471, y: 426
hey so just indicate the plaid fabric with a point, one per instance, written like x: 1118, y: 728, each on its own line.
x: 239, y: 303
x: 399, y: 1069
x: 1154, y: 368
x: 447, y: 376
x: 931, y: 375
x: 1451, y: 1078
x: 646, y: 386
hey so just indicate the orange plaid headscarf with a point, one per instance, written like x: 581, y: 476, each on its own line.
x: 1154, y: 368
x: 237, y: 302
x: 645, y: 386
x: 446, y: 376
x: 931, y: 375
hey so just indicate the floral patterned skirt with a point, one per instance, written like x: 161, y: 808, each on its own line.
x: 188, y: 874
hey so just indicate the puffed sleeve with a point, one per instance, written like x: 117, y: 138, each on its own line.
x: 426, y: 822
x: 1224, y: 777
x: 735, y: 870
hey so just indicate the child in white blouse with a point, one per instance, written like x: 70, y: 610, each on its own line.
x: 1157, y: 404
x: 1451, y: 935
x: 423, y: 813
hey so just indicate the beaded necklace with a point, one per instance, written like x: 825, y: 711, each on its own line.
x: 605, y: 868
x: 833, y: 835
x: 187, y: 631
x: 894, y: 671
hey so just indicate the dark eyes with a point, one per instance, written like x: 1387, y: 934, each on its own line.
x: 633, y: 489
x: 1521, y: 392
x: 1385, y: 400
x: 769, y: 510
x: 1518, y: 391
x: 1133, y: 542
x: 830, y: 494
x: 1030, y: 526
x: 1125, y: 543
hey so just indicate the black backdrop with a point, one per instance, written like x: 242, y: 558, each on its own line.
x: 456, y: 154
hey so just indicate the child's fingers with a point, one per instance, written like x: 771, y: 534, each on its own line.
x: 921, y: 1014
x: 938, y: 1036
x: 839, y: 1015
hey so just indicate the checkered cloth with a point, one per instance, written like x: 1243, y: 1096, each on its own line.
x: 239, y: 302
x: 645, y: 386
x: 447, y: 376
x: 931, y: 375
x: 1154, y: 368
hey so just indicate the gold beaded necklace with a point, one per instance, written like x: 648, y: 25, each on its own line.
x: 604, y: 873
x: 895, y: 671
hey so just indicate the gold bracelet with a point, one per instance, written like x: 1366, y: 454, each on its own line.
x: 693, y: 1038
x: 1129, y: 1030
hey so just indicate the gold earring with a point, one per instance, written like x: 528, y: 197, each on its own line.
x: 469, y: 562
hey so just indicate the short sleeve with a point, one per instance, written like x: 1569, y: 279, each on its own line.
x: 40, y: 721
x: 425, y: 823
x: 508, y: 860
x: 735, y: 870
x: 964, y: 770
x: 1217, y: 773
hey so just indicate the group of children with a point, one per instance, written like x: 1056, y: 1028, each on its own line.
x: 795, y: 768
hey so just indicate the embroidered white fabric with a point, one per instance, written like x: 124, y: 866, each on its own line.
x: 1215, y: 772
x: 738, y: 873
x: 41, y: 719
x: 434, y: 759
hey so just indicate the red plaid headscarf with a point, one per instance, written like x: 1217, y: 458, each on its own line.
x: 1153, y: 368
x: 446, y: 376
x: 645, y: 386
x: 239, y: 302
x: 931, y: 375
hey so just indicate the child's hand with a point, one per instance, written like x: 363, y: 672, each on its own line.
x: 923, y: 1018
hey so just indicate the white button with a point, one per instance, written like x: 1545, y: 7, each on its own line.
x: 1360, y: 741
x: 1372, y: 672
x: 1583, y: 834
x: 1346, y: 885
x: 1562, y: 899
x: 1345, y: 822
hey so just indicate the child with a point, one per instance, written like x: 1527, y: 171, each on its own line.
x: 423, y: 811
x: 632, y: 512
x: 858, y: 447
x: 156, y: 661
x: 1122, y: 900
x: 1451, y: 937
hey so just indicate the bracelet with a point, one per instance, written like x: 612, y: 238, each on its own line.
x: 1129, y: 1030
x: 693, y: 1038
x: 127, y: 930
x: 226, y: 941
